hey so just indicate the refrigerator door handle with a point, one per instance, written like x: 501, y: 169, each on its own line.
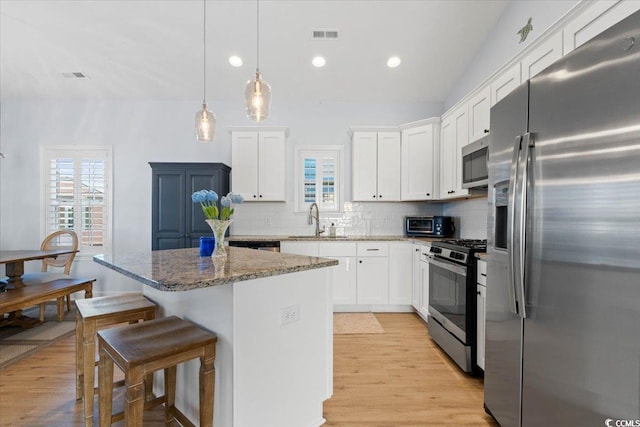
x: 517, y: 221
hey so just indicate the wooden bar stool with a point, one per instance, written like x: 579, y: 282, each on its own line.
x: 94, y: 314
x: 139, y: 350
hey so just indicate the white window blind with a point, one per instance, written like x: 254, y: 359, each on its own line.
x: 318, y: 178
x: 77, y: 194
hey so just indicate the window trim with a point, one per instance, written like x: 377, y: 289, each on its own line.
x: 48, y: 152
x: 299, y: 173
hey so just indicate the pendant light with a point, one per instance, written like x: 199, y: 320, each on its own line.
x: 257, y: 92
x: 205, y: 119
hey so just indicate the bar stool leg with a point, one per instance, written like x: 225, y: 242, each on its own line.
x: 105, y: 388
x: 169, y: 392
x: 207, y: 383
x: 79, y: 363
x: 134, y: 405
x: 88, y: 366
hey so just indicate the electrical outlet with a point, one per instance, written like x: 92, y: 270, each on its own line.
x: 289, y: 314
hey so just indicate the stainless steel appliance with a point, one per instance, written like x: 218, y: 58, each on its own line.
x: 429, y: 226
x: 474, y: 164
x: 563, y: 281
x: 261, y: 245
x: 452, y: 298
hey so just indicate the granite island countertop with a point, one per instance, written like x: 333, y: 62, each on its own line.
x: 176, y: 270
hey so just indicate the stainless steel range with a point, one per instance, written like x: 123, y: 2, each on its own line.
x: 452, y: 298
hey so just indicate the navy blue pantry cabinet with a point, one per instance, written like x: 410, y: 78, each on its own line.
x: 177, y: 222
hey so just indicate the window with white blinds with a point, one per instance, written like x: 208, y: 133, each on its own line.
x: 77, y: 194
x: 318, y: 177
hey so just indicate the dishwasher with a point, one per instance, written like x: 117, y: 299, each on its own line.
x: 261, y: 245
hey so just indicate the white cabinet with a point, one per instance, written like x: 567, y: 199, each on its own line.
x: 503, y: 84
x: 481, y: 307
x: 420, y: 161
x: 344, y: 274
x: 258, y: 164
x: 416, y: 291
x: 479, y: 106
x: 376, y: 166
x: 299, y: 248
x: 599, y: 16
x: 400, y: 272
x: 424, y: 288
x: 420, y: 292
x: 543, y: 55
x: 453, y: 136
x: 373, y: 273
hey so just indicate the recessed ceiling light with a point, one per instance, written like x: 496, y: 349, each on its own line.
x: 235, y: 61
x: 318, y: 61
x: 393, y: 62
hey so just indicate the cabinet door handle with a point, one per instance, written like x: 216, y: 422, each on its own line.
x: 478, y: 292
x: 254, y: 196
x: 486, y: 131
x: 482, y: 274
x: 373, y: 249
x: 261, y: 196
x: 380, y: 196
x: 374, y: 196
x: 428, y: 194
x: 417, y: 250
x: 360, y: 261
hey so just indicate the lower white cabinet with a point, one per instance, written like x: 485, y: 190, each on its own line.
x: 299, y: 248
x: 400, y: 272
x: 423, y: 310
x: 416, y: 291
x: 481, y: 301
x: 373, y: 273
x: 344, y: 274
x: 420, y: 283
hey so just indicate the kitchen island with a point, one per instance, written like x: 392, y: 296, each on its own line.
x: 272, y: 314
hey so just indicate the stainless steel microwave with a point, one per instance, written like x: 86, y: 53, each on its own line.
x: 475, y: 156
x: 428, y: 226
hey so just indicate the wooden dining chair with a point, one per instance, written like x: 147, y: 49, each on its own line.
x: 61, y: 239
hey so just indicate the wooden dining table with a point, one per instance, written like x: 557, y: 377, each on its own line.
x: 14, y: 269
x: 15, y: 259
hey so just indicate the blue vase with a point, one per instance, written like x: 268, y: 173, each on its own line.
x: 206, y: 245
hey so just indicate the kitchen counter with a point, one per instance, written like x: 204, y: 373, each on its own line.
x: 273, y: 316
x: 183, y: 269
x: 281, y: 238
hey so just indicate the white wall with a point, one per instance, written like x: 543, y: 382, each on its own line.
x: 162, y: 131
x: 503, y: 42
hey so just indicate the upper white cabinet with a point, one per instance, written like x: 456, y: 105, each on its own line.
x: 503, y: 84
x: 543, y: 55
x: 258, y: 164
x: 595, y: 19
x: 479, y: 106
x: 376, y: 166
x: 453, y: 136
x: 420, y: 160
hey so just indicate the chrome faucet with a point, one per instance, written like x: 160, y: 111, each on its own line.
x: 317, y: 217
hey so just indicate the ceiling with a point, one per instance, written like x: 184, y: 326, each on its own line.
x: 153, y: 49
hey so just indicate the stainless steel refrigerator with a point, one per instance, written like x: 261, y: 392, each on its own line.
x: 563, y: 281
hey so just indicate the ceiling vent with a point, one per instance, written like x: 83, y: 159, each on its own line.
x: 325, y: 34
x: 74, y: 75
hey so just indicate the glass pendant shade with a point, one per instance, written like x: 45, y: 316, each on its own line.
x: 205, y: 124
x: 257, y: 98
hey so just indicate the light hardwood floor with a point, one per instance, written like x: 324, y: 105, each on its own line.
x: 398, y: 378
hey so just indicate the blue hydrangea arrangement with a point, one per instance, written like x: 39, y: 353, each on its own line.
x: 208, y: 199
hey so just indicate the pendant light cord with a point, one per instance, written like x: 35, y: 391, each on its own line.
x: 258, y: 35
x: 204, y: 49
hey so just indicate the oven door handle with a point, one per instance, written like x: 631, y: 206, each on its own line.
x: 448, y: 266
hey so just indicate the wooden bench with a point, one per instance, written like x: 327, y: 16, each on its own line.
x: 14, y: 300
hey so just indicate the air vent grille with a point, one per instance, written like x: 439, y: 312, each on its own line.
x: 325, y: 34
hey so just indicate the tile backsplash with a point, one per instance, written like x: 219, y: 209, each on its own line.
x: 355, y: 219
x: 470, y: 217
